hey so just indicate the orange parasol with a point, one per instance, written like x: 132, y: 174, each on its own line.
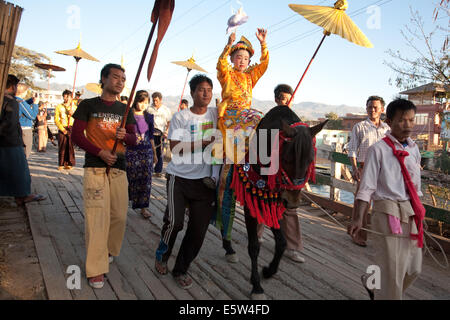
x: 189, y: 65
x: 49, y: 68
x: 333, y: 20
x: 78, y: 54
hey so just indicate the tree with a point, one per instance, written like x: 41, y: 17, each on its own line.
x: 335, y: 122
x: 22, y: 65
x: 425, y: 63
x: 445, y: 7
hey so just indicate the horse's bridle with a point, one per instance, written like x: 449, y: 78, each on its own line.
x: 285, y: 183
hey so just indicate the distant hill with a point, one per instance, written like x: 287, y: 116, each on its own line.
x: 305, y: 110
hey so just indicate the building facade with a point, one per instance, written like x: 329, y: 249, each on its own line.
x: 431, y: 101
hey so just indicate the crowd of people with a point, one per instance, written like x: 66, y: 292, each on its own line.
x: 113, y: 179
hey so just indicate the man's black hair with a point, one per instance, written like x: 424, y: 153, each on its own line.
x: 11, y: 81
x: 184, y: 101
x: 376, y: 98
x: 282, y: 88
x: 197, y: 79
x: 399, y: 104
x: 157, y: 95
x: 67, y: 92
x: 122, y: 98
x: 107, y: 69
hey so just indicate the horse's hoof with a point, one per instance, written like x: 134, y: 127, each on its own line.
x: 232, y: 258
x: 266, y: 273
x: 258, y: 296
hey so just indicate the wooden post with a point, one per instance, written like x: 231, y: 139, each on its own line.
x: 9, y: 24
x: 335, y: 172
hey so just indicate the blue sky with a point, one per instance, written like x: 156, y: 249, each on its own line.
x: 342, y: 73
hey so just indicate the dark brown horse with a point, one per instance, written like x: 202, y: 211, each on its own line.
x: 294, y: 157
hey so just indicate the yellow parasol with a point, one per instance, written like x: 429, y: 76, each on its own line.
x: 94, y: 88
x: 333, y: 20
x: 78, y: 54
x: 189, y: 65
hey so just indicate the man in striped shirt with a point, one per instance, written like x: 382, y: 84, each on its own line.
x: 365, y: 134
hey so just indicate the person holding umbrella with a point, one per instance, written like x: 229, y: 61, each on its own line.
x: 96, y: 127
x: 64, y: 122
x: 41, y: 125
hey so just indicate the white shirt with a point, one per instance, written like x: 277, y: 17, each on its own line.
x: 160, y: 117
x: 187, y: 126
x: 365, y: 134
x: 382, y: 176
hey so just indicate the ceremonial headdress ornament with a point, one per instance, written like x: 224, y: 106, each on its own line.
x: 243, y: 44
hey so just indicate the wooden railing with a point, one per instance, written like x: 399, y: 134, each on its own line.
x: 339, y: 163
x: 335, y: 182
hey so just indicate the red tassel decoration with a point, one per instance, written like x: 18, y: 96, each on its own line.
x: 257, y: 212
x: 249, y: 204
x: 273, y: 208
x: 266, y: 217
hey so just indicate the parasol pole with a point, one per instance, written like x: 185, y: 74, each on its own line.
x: 77, y: 59
x: 48, y: 82
x: 184, y: 88
x: 326, y: 34
x: 136, y: 80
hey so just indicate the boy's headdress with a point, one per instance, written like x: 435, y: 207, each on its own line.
x: 243, y: 44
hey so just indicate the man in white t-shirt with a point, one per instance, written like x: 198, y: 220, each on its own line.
x: 161, y: 115
x: 190, y: 133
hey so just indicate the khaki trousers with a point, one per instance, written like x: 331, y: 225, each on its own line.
x: 106, y: 204
x: 290, y: 225
x: 399, y: 258
x: 27, y: 136
x: 43, y: 138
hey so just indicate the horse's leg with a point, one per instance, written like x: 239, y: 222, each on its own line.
x: 253, y: 251
x: 226, y: 244
x: 280, y: 247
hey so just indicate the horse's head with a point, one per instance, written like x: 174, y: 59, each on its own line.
x: 296, y: 157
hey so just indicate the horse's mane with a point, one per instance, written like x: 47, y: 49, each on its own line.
x: 303, y: 149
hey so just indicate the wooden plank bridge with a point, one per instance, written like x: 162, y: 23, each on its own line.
x: 332, y: 269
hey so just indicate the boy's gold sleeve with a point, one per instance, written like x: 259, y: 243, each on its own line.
x: 256, y: 71
x: 222, y: 65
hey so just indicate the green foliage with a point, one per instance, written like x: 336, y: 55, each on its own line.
x: 335, y: 122
x: 22, y: 64
x: 443, y: 163
x: 332, y: 116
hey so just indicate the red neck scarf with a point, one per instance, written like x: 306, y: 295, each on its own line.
x: 416, y: 204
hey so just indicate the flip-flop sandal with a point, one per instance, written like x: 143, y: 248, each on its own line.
x: 360, y: 243
x: 161, y: 267
x: 146, y: 214
x: 183, y: 281
x: 364, y: 282
x: 36, y: 197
